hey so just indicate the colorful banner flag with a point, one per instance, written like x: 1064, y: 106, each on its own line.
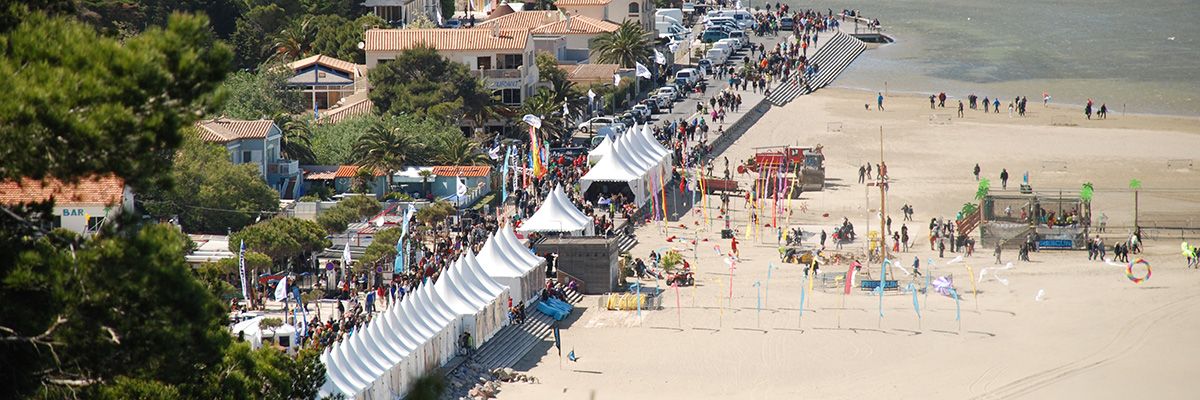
x: 882, y: 284
x: 535, y: 156
x: 850, y: 273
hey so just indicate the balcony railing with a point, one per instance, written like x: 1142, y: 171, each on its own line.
x: 499, y: 73
x: 283, y: 167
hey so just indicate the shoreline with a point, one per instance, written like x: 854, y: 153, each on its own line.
x: 1053, y: 104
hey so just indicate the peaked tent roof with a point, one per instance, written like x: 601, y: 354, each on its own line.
x: 603, y: 149
x: 508, y: 240
x: 496, y: 262
x: 493, y: 288
x: 556, y: 216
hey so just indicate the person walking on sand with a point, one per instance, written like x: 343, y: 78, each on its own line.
x: 997, y: 253
x: 1045, y: 99
x: 862, y: 173
x: 996, y: 105
x: 1103, y: 114
x: 976, y: 171
x: 879, y: 100
x: 1004, y: 178
x: 931, y: 101
x: 986, y: 103
x: 1087, y: 110
x: 960, y: 109
x: 916, y: 266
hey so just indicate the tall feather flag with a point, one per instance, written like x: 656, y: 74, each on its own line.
x: 534, y: 123
x: 504, y: 176
x: 957, y: 308
x: 916, y: 305
x: 850, y: 273
x: 242, y: 269
x: 401, y: 245
x: 663, y: 185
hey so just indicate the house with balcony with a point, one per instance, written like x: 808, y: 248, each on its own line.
x: 503, y: 58
x: 255, y: 142
x: 327, y: 82
x: 568, y: 37
x: 618, y: 11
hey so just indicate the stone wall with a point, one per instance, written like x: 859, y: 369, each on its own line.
x: 590, y: 260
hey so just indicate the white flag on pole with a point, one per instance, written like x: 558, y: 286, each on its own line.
x: 281, y: 291
x: 566, y: 111
x: 659, y: 58
x: 461, y: 186
x: 642, y: 71
x: 616, y: 80
x: 346, y: 257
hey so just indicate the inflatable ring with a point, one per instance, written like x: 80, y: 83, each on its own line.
x: 1133, y: 278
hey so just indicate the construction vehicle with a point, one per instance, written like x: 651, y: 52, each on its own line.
x: 792, y: 169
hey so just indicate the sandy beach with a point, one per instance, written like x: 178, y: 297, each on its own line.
x: 1091, y: 334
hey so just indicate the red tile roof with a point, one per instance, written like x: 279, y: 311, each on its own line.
x: 588, y: 73
x: 579, y: 24
x: 223, y: 130
x: 320, y: 176
x: 473, y: 171
x: 349, y: 171
x: 344, y: 66
x: 446, y: 39
x: 99, y: 190
x: 581, y: 2
x: 549, y: 23
x: 333, y: 116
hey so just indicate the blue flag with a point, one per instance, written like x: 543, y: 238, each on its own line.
x: 957, y: 309
x: 504, y: 176
x: 916, y: 306
x: 557, y: 340
x: 882, y: 283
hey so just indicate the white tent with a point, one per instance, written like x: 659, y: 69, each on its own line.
x: 471, y: 310
x: 557, y: 214
x: 603, y: 149
x: 500, y: 294
x: 444, y: 339
x: 636, y: 159
x: 508, y: 239
x: 499, y: 262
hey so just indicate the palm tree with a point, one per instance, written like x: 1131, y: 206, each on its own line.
x: 459, y: 150
x: 626, y: 46
x: 386, y: 147
x: 548, y: 107
x: 480, y: 106
x: 294, y: 41
x: 295, y: 144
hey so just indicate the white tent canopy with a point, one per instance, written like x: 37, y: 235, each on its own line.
x: 508, y: 269
x: 603, y: 149
x: 636, y: 159
x: 557, y: 214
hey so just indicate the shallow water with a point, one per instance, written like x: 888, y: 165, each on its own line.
x: 1144, y: 55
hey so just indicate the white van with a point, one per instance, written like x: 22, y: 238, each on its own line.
x: 729, y: 45
x: 717, y: 55
x: 745, y: 19
x: 675, y: 13
x: 741, y: 37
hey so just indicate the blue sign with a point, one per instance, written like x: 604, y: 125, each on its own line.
x: 1055, y: 243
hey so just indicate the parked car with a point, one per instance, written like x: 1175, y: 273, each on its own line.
x: 741, y: 37
x: 687, y: 77
x: 642, y: 110
x: 716, y: 55
x: 664, y: 100
x: 730, y: 46
x: 596, y: 123
x: 670, y: 91
x: 710, y: 36
x: 787, y: 23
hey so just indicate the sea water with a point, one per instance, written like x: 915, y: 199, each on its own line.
x: 1141, y: 56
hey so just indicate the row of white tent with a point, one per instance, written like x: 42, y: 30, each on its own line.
x: 420, y: 333
x: 634, y: 158
x: 558, y: 214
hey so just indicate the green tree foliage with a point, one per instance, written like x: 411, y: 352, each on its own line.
x: 435, y: 212
x: 1086, y: 191
x: 333, y: 144
x: 254, y: 29
x: 434, y: 91
x: 118, y: 315
x: 985, y: 186
x: 338, y: 37
x: 382, y: 247
x: 68, y: 92
x: 352, y: 209
x: 295, y: 40
x: 387, y: 147
x: 296, y: 141
x: 283, y: 239
x: 428, y: 387
x: 212, y: 194
x: 455, y: 149
x: 262, y: 94
x: 625, y: 46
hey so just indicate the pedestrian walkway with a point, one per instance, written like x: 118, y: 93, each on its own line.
x: 831, y: 59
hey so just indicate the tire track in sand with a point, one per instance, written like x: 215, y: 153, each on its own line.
x: 1123, y: 343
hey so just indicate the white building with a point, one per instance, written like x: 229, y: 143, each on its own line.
x: 80, y: 207
x: 568, y: 37
x: 641, y: 11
